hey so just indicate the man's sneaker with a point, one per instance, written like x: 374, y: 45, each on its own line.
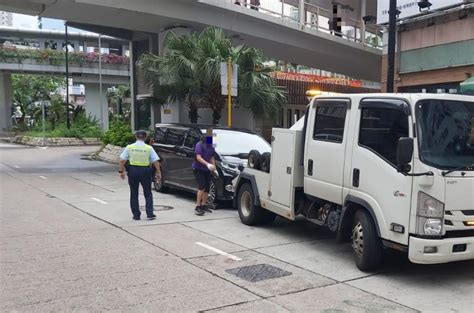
x: 206, y: 208
x: 199, y: 211
x: 151, y: 217
x: 136, y: 218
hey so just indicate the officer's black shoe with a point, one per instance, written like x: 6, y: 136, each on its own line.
x: 136, y: 218
x: 199, y: 210
x: 151, y: 217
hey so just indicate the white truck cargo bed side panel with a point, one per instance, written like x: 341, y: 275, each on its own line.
x: 282, y: 166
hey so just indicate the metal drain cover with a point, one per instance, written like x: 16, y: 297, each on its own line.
x: 158, y: 208
x: 258, y: 272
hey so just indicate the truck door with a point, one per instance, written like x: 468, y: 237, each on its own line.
x: 375, y: 180
x: 325, y: 149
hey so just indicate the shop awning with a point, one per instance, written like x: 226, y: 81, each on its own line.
x: 467, y: 86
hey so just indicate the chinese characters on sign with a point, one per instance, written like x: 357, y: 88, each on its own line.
x: 409, y: 8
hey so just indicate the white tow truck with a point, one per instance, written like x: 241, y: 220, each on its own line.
x: 380, y: 170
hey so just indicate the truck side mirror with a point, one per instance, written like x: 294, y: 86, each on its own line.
x: 404, y: 153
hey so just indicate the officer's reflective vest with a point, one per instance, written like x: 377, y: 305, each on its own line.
x: 139, y: 155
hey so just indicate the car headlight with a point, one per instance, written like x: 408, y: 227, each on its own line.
x: 429, y: 214
x: 229, y: 170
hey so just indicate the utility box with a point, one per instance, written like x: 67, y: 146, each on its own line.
x: 286, y: 165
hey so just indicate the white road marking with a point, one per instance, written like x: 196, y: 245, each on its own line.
x: 42, y: 148
x: 98, y: 200
x: 43, y: 177
x: 16, y: 166
x: 230, y: 256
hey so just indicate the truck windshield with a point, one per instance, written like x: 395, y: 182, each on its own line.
x: 446, y: 132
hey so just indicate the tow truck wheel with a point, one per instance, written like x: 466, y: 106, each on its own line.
x: 254, y: 159
x: 249, y: 213
x: 366, y: 245
x: 265, y: 162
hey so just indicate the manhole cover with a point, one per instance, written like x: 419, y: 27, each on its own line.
x: 259, y: 272
x: 158, y: 208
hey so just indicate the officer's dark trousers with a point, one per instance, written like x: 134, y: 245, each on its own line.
x: 140, y: 175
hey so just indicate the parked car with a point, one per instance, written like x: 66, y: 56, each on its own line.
x: 175, y: 144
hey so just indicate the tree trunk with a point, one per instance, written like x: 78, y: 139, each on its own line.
x: 193, y: 114
x: 216, y: 116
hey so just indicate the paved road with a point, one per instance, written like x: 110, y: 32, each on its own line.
x: 67, y: 242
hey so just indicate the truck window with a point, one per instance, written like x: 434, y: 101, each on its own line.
x: 380, y: 129
x: 329, y: 123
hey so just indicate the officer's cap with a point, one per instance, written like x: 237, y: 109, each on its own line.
x: 140, y: 134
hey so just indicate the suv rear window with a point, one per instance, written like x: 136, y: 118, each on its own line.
x: 160, y: 135
x: 175, y: 137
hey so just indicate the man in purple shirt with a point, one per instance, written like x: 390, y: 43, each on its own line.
x: 204, y: 164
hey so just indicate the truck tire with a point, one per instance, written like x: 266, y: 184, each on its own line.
x: 366, y: 245
x: 265, y: 162
x: 249, y: 213
x: 254, y: 159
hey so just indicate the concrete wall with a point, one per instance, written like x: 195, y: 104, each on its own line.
x: 5, y: 101
x: 438, y: 34
x: 93, y: 102
x: 171, y: 114
x: 242, y: 118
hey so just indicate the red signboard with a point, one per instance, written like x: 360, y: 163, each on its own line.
x: 316, y: 79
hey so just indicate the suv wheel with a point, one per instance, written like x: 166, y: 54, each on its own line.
x: 211, y: 197
x: 159, y: 185
x: 366, y: 245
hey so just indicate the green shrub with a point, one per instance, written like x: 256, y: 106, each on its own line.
x: 119, y: 134
x: 82, y: 126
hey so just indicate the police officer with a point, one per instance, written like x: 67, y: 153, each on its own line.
x: 140, y: 157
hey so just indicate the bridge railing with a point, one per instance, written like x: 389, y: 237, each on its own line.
x: 314, y: 17
x: 12, y: 54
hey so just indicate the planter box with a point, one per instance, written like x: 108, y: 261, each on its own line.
x: 60, y: 141
x: 109, y: 154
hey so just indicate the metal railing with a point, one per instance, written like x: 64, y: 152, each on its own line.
x: 314, y: 17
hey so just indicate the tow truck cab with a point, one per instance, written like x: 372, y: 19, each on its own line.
x: 380, y: 170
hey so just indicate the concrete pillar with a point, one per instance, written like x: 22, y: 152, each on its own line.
x: 42, y: 44
x: 302, y: 12
x: 363, y: 12
x: 124, y: 49
x: 133, y: 86
x: 5, y: 101
x: 92, y: 106
x: 76, y: 44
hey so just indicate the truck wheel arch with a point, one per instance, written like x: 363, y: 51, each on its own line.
x: 351, y: 205
x: 247, y: 178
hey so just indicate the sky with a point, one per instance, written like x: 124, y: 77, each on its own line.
x: 29, y: 21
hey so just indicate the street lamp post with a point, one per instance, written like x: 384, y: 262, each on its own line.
x: 68, y: 122
x: 100, y: 85
x: 392, y: 31
x: 43, y: 114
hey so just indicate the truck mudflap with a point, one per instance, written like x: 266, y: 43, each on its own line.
x: 432, y: 251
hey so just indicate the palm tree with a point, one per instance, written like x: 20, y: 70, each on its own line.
x: 189, y: 71
x: 115, y: 97
x: 173, y: 75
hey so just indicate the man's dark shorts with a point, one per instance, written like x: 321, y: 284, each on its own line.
x: 203, y: 179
